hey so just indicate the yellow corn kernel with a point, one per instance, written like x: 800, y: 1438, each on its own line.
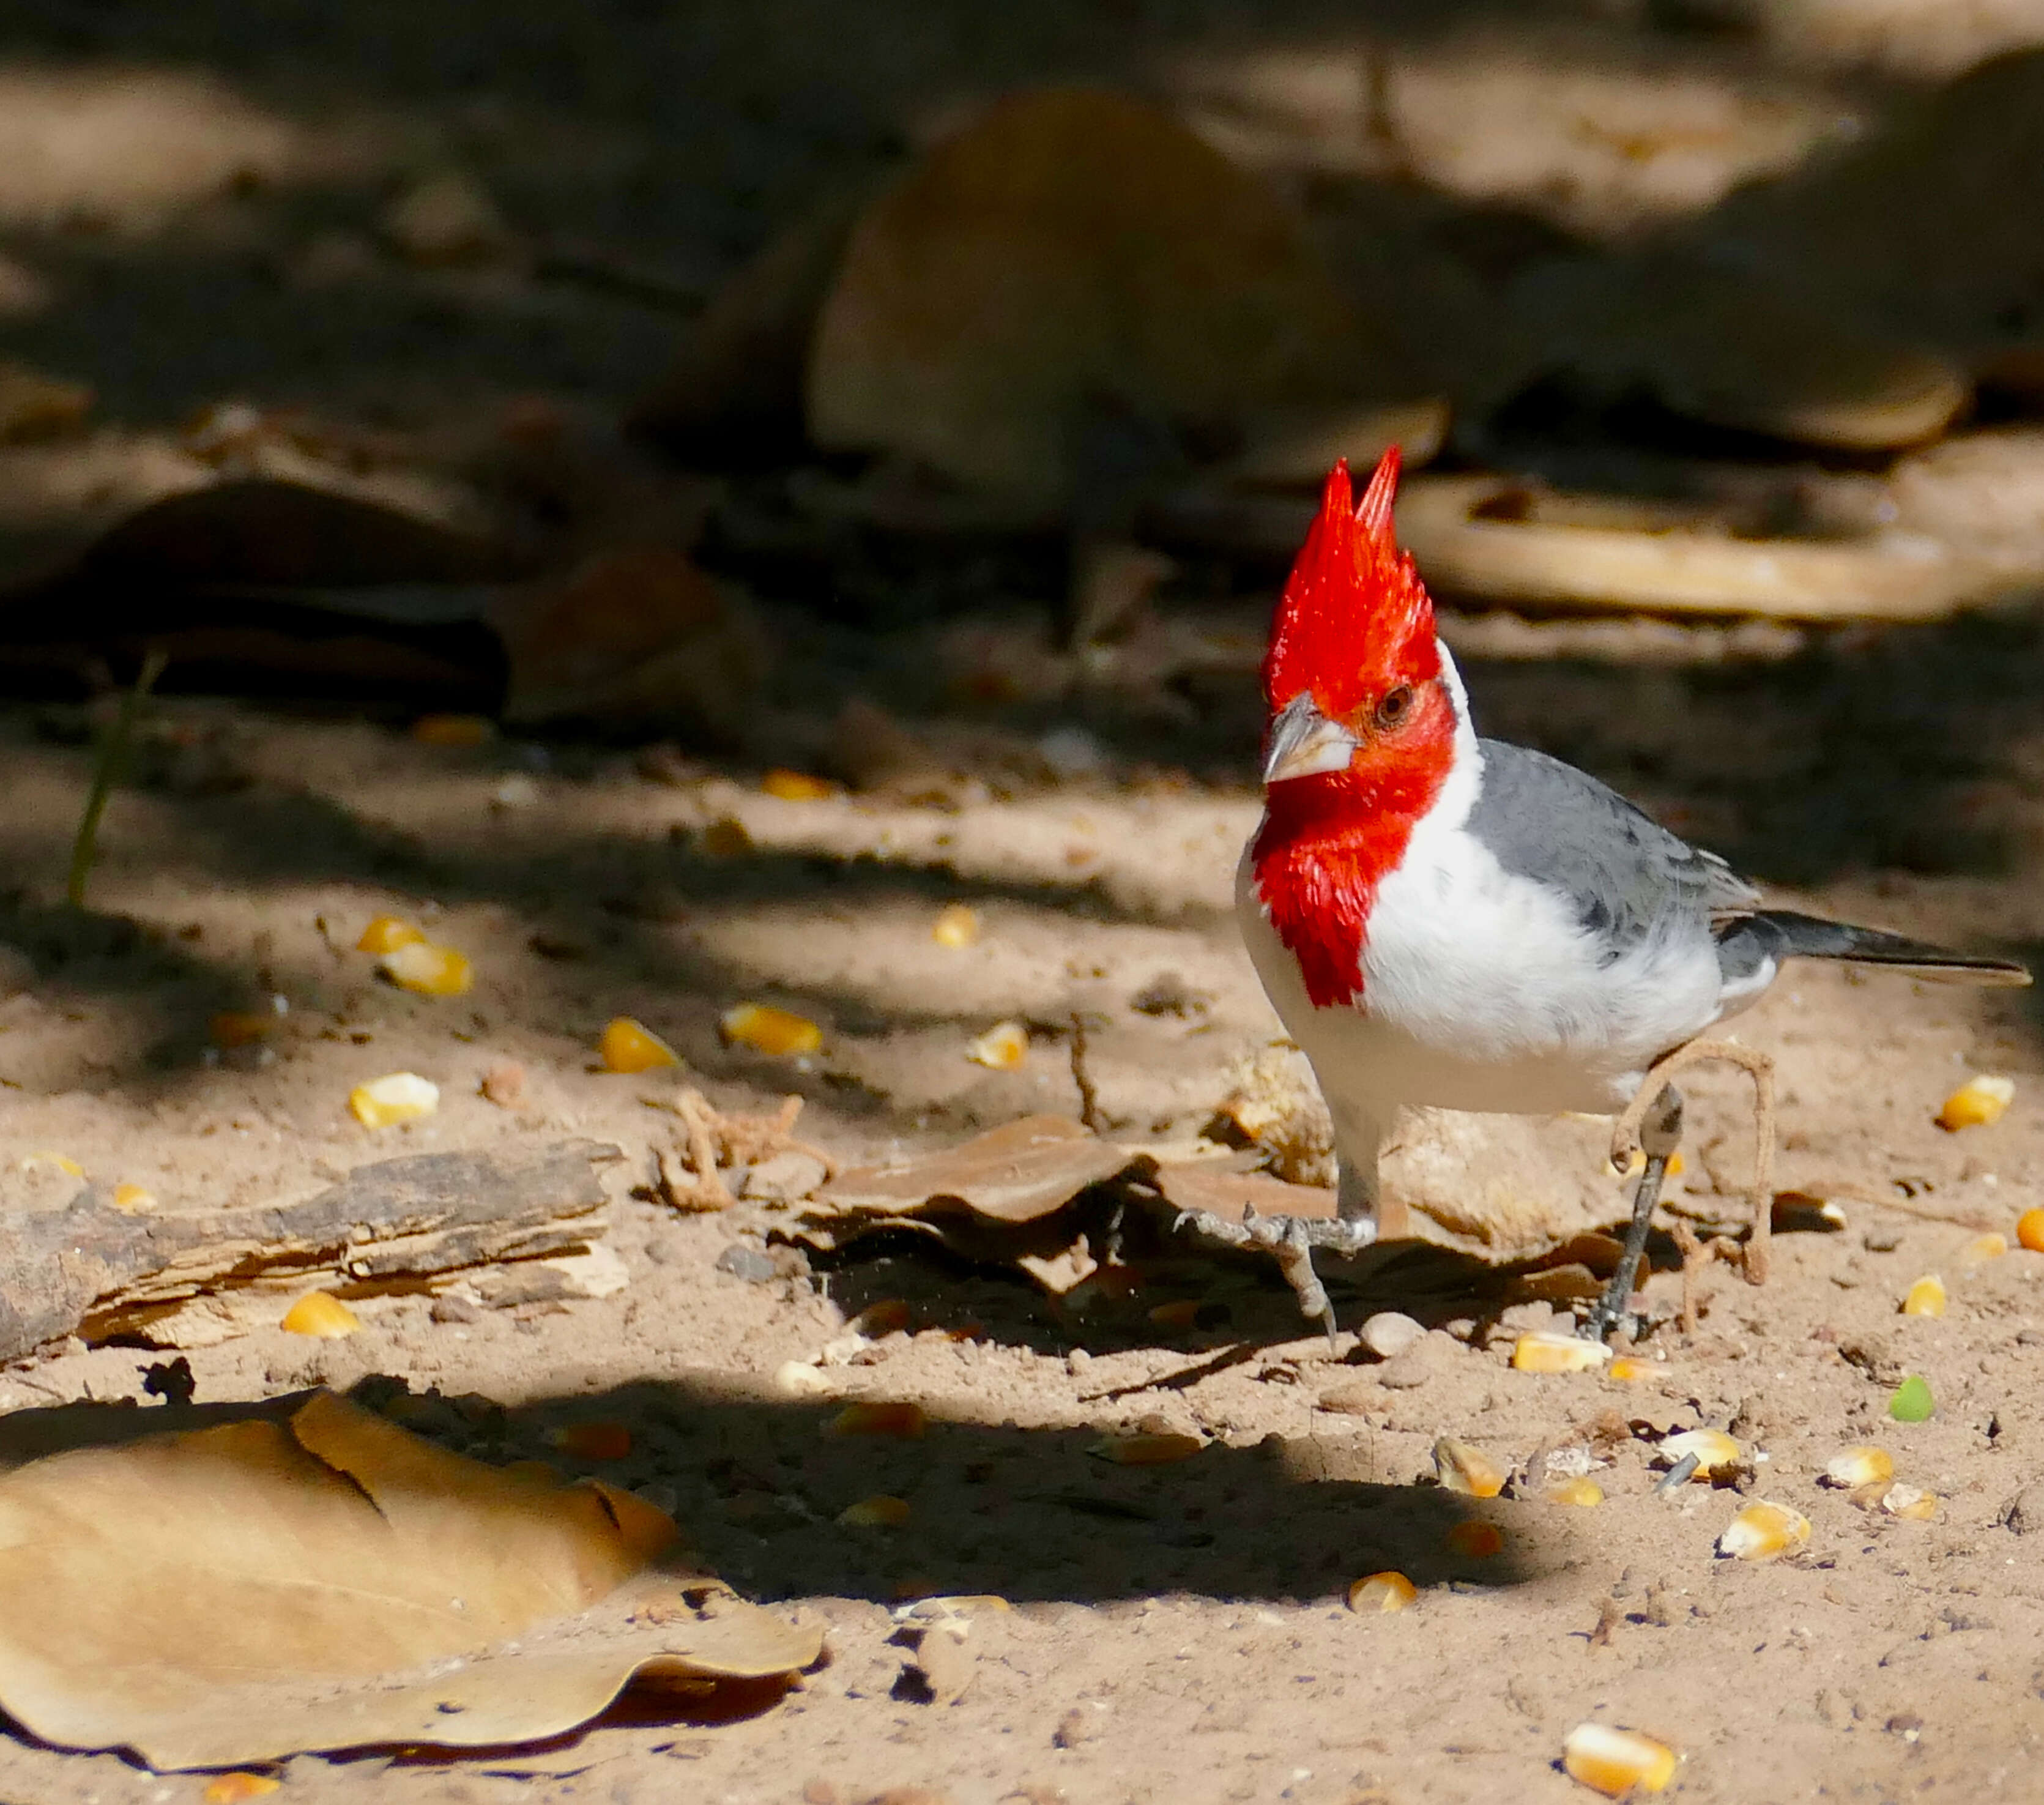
x: 1615, y: 1762
x: 798, y: 786
x: 234, y: 1788
x: 427, y: 970
x: 1476, y: 1539
x: 1926, y: 1297
x: 1982, y: 1248
x: 52, y: 1162
x: 397, y: 1097
x: 239, y: 1027
x: 1912, y: 1502
x: 386, y: 934
x: 1380, y: 1592
x: 1468, y: 1470
x: 593, y: 1441
x: 1585, y: 1492
x: 765, y: 1029
x: 321, y: 1315
x: 454, y: 730
x: 955, y: 927
x: 1715, y: 1451
x: 879, y: 1512
x: 1627, y: 1370
x: 1548, y: 1353
x: 627, y: 1046
x: 133, y: 1199
x: 2029, y: 1231
x: 1859, y: 1466
x: 1002, y: 1047
x: 1146, y: 1449
x: 1764, y: 1531
x: 905, y: 1422
x: 1978, y: 1103
x: 945, y: 1606
x: 1636, y: 1163
x: 726, y: 837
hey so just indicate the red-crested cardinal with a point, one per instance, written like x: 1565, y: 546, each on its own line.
x: 1445, y: 921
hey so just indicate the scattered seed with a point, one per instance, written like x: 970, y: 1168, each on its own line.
x: 1477, y: 1539
x: 904, y: 1421
x: 133, y: 1199
x: 780, y: 1033
x: 798, y: 786
x: 1859, y: 1466
x: 956, y: 927
x: 1978, y: 1103
x: 2029, y: 1231
x: 1628, y: 1371
x: 427, y: 970
x: 1615, y: 1762
x: 321, y: 1315
x: 232, y: 1788
x: 1582, y: 1492
x: 1381, y: 1592
x: 879, y: 1512
x: 1146, y: 1449
x: 397, y: 1097
x: 1715, y: 1451
x: 386, y: 934
x: 1983, y: 1248
x: 627, y: 1046
x: 1926, y: 1297
x: 1764, y: 1531
x: 1466, y: 1469
x: 1545, y: 1352
x: 1002, y: 1047
x: 52, y: 1162
x: 1912, y: 1502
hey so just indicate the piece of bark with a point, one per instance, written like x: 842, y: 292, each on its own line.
x: 90, y: 1268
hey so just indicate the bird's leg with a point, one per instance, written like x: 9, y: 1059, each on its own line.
x: 1625, y: 1133
x: 1659, y: 1133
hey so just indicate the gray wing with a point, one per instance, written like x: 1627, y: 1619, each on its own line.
x: 1625, y: 875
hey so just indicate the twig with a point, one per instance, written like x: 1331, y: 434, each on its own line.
x: 1090, y: 1112
x: 106, y: 770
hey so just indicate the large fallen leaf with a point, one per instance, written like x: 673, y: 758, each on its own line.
x: 239, y: 1593
x: 1072, y: 250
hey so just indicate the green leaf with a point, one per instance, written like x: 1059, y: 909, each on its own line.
x: 1911, y: 1402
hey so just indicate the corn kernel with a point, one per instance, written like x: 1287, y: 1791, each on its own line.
x: 880, y: 1511
x: 1982, y: 1248
x: 726, y: 837
x: 1381, y: 1592
x: 593, y: 1441
x: 133, y: 1199
x: 765, y: 1029
x: 321, y: 1315
x: 52, y: 1162
x: 1630, y: 1371
x: 946, y: 1606
x: 798, y: 786
x: 1978, y: 1103
x: 234, y: 1788
x: 1912, y: 1402
x: 627, y: 1046
x: 1636, y: 1163
x: 454, y: 730
x: 1715, y: 1451
x: 239, y: 1027
x: 1912, y: 1502
x: 1764, y: 1531
x: 955, y: 927
x: 1926, y: 1297
x: 797, y: 1378
x: 1859, y: 1466
x: 2029, y: 1231
x: 1475, y: 1538
x: 1583, y: 1492
x: 386, y: 934
x: 1615, y: 1762
x: 1002, y: 1047
x: 905, y: 1422
x: 1145, y: 1449
x: 1549, y: 1352
x: 397, y: 1097
x: 1468, y: 1470
x: 427, y: 970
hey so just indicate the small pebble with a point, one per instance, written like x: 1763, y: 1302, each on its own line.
x: 786, y: 1178
x: 754, y: 1265
x: 451, y: 1307
x: 1389, y: 1333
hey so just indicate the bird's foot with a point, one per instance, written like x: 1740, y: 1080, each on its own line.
x: 1290, y: 1240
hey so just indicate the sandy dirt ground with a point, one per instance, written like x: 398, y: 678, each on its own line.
x: 1177, y: 1632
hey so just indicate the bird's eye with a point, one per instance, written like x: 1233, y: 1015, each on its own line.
x: 1396, y: 705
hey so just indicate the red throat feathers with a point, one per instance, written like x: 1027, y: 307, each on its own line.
x: 1354, y: 633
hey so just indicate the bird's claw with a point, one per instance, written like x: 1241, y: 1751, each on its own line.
x: 1290, y: 1240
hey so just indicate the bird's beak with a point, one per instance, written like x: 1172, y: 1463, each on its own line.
x: 1304, y: 743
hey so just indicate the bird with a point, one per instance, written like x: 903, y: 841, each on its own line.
x: 1445, y: 921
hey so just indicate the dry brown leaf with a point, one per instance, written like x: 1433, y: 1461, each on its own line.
x: 239, y: 1593
x: 1071, y: 248
x: 1015, y: 1173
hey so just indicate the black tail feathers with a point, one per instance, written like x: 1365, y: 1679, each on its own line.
x: 1808, y: 937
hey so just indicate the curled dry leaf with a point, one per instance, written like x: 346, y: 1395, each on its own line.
x: 238, y: 1593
